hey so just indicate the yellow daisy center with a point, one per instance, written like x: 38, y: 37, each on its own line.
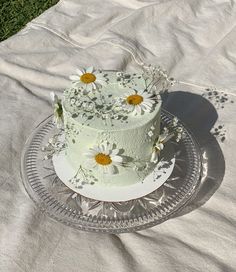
x: 88, y: 78
x: 134, y: 99
x: 103, y: 159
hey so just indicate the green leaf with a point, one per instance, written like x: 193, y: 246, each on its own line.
x: 15, y: 14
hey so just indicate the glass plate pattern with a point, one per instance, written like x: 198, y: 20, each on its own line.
x: 64, y: 205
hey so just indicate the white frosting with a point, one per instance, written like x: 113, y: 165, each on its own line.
x: 133, y: 135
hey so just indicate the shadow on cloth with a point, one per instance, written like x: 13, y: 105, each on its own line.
x: 200, y: 117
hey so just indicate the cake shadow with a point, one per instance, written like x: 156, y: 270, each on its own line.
x: 200, y: 116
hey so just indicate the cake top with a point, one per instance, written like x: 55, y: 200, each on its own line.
x: 114, y: 100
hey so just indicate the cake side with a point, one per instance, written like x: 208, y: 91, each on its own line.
x: 134, y: 145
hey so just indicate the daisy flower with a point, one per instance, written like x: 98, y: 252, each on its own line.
x: 139, y: 102
x: 88, y: 78
x: 58, y: 111
x: 159, y: 145
x: 105, y: 158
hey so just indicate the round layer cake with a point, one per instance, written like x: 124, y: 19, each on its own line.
x: 111, y: 122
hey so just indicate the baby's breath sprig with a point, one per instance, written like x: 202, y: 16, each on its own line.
x: 82, y: 177
x: 156, y: 79
x: 173, y: 130
x: 54, y: 146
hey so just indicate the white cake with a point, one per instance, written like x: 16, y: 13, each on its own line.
x: 111, y: 123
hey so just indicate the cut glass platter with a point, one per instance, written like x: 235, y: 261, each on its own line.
x: 65, y: 205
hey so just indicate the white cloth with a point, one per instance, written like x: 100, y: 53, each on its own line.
x: 195, y: 41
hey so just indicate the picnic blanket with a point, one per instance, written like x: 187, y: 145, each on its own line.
x: 195, y: 41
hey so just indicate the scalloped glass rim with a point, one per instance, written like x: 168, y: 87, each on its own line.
x: 126, y: 217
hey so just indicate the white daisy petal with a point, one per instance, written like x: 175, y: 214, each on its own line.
x: 94, y: 85
x: 80, y: 72
x: 147, y: 95
x: 161, y: 146
x: 149, y: 100
x: 147, y: 103
x: 74, y: 78
x: 77, y: 83
x: 154, y: 157
x: 102, y: 168
x: 103, y: 147
x: 138, y: 109
x: 94, y: 150
x: 134, y: 112
x: 97, y: 149
x: 115, y: 151
x: 107, y: 151
x: 96, y: 167
x: 89, y: 69
x: 117, y: 159
x: 131, y: 108
x: 89, y: 155
x: 146, y: 108
x: 110, y: 169
x: 90, y: 163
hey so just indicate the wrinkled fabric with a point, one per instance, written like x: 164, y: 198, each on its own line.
x: 195, y: 41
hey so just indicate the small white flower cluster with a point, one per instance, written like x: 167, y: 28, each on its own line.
x: 71, y: 130
x: 85, y: 105
x: 150, y: 133
x: 126, y: 80
x: 156, y: 79
x: 177, y: 130
x: 154, y: 71
x: 82, y: 177
x: 74, y: 96
x: 54, y: 146
x: 90, y: 105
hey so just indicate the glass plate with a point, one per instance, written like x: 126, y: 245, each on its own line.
x: 64, y: 205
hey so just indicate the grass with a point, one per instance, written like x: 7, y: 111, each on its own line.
x: 15, y: 14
